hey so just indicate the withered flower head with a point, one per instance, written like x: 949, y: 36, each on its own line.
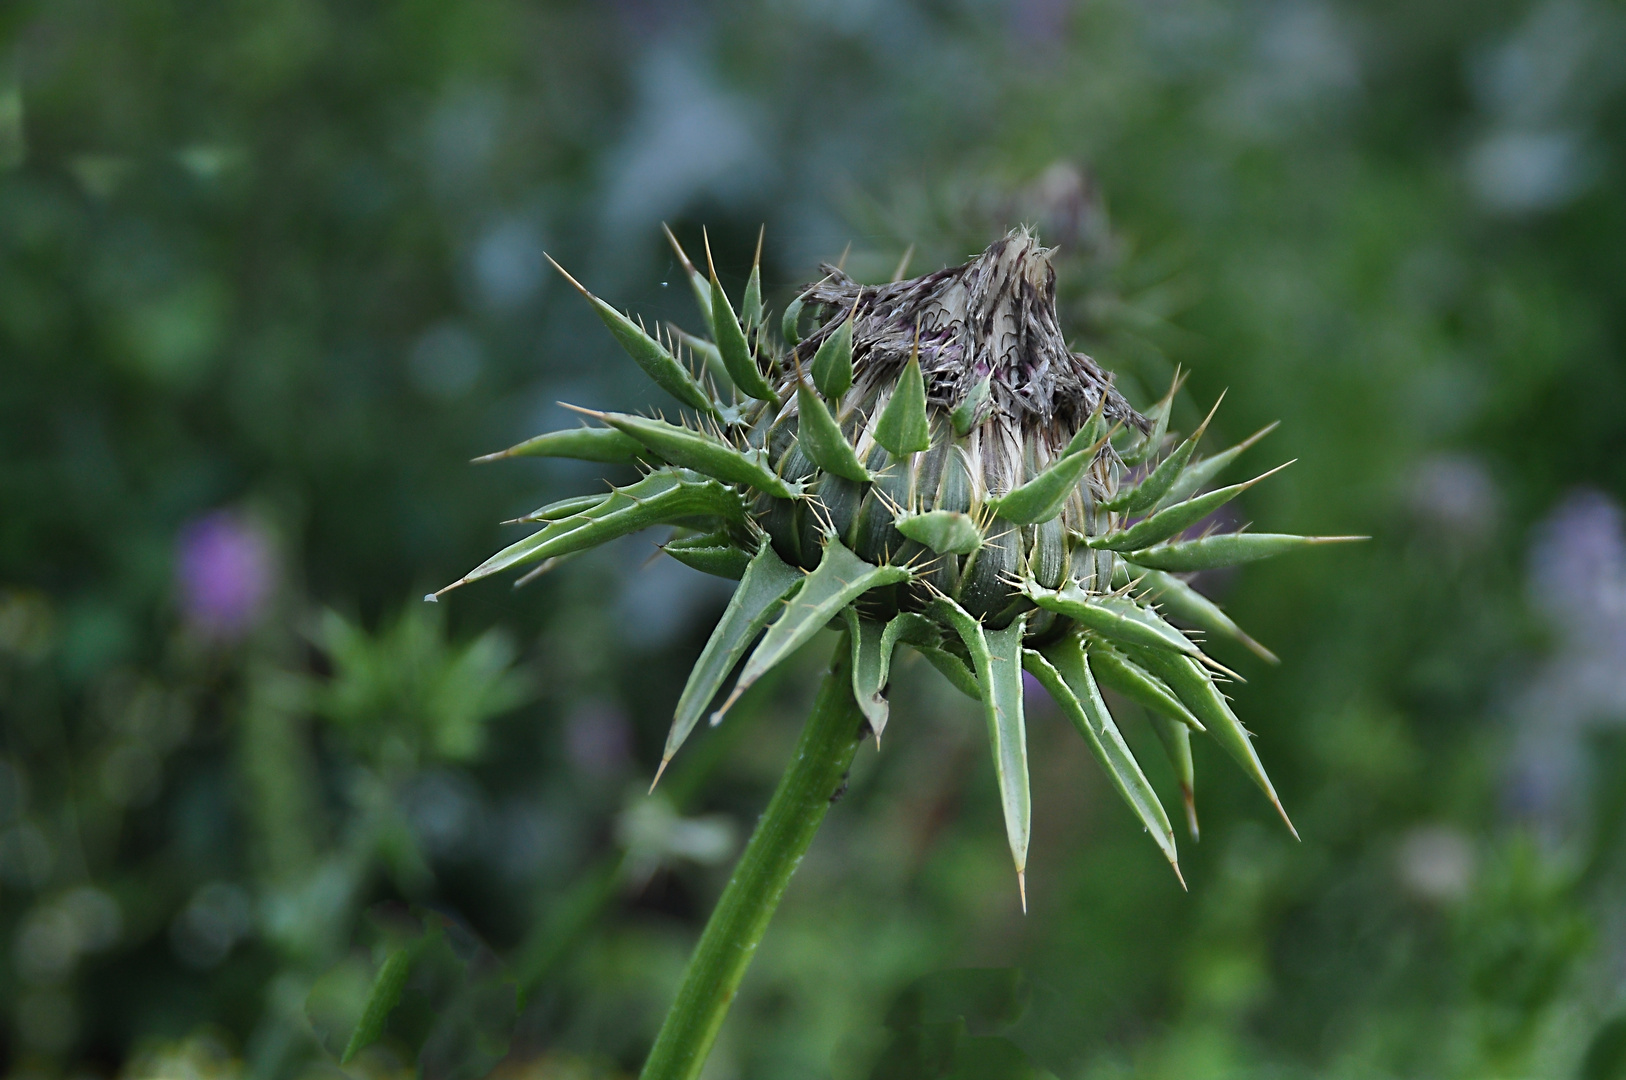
x: 934, y: 467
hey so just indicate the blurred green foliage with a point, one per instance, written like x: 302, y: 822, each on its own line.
x: 271, y: 273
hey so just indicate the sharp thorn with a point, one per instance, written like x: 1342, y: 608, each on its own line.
x: 1260, y: 434
x: 1210, y: 662
x: 1190, y: 799
x: 903, y: 265
x: 1181, y: 878
x: 1202, y: 427
x: 733, y: 696
x: 1280, y: 809
x: 677, y: 247
x: 579, y: 286
x: 1022, y: 887
x: 1258, y: 650
x: 665, y: 761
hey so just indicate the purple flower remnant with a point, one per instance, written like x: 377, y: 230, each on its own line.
x: 224, y: 573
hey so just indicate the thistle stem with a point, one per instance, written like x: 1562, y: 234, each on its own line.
x: 810, y: 783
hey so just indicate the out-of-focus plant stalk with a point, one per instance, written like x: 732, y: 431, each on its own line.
x: 811, y: 782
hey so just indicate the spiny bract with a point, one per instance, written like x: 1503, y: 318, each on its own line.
x: 934, y: 467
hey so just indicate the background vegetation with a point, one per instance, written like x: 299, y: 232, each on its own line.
x: 271, y: 272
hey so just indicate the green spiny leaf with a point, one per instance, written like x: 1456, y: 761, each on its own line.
x: 910, y: 629
x: 714, y: 553
x: 1114, y: 616
x: 564, y: 508
x: 903, y: 428
x: 751, y: 305
x: 1093, y: 431
x: 648, y: 353
x: 820, y: 438
x: 832, y: 365
x: 766, y: 582
x: 997, y: 658
x: 1146, y: 494
x: 1007, y: 732
x: 662, y: 497
x: 872, y: 663
x: 1117, y: 672
x: 944, y: 531
x: 583, y: 444
x: 1194, y: 686
x: 1159, y: 415
x: 1225, y: 549
x: 840, y: 578
x: 705, y: 350
x: 964, y: 417
x: 701, y: 452
x: 1175, y: 519
x: 1063, y: 670
x: 1176, y: 740
x: 1197, y: 475
x: 1183, y: 602
x: 926, y: 637
x: 788, y: 323
x: 731, y: 343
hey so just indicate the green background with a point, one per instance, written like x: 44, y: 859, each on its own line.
x: 283, y: 261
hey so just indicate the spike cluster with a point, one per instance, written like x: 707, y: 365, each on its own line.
x: 934, y: 467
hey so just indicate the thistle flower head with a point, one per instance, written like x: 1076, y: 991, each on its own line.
x: 935, y: 467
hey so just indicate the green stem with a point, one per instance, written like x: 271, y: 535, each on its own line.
x: 782, y: 836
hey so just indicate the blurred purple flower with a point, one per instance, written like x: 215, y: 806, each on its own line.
x: 1455, y: 496
x: 225, y: 572
x: 1577, y: 579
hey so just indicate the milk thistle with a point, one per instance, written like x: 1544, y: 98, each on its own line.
x: 930, y: 466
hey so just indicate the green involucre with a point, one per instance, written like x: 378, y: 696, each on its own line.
x: 903, y: 427
x: 821, y: 440
x: 1041, y: 498
x: 732, y: 344
x: 944, y: 531
x: 832, y: 366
